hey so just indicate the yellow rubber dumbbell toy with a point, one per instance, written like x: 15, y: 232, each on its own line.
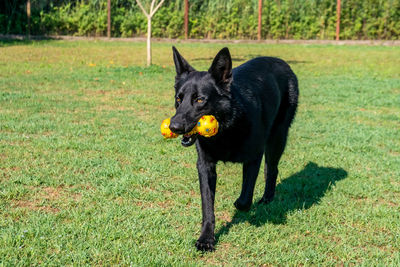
x: 207, y: 126
x: 165, y: 131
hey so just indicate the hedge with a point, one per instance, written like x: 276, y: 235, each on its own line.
x: 220, y: 19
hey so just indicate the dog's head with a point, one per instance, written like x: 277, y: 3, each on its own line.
x: 199, y: 93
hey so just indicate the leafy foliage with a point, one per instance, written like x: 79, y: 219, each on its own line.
x: 86, y: 178
x: 282, y: 19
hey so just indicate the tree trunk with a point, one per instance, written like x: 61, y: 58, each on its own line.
x: 149, y: 41
x: 149, y: 15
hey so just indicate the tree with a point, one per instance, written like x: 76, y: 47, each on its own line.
x: 149, y: 15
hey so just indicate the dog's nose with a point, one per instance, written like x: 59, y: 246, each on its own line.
x: 177, y: 127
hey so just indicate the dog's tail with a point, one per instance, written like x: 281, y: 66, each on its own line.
x: 292, y: 97
x: 293, y: 90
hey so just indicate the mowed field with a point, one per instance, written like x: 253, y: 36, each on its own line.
x: 87, y: 179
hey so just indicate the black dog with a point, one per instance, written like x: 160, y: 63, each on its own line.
x: 254, y: 104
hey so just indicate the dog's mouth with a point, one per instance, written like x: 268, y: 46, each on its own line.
x: 188, y: 139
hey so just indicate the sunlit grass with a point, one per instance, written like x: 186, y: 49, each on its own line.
x: 86, y: 177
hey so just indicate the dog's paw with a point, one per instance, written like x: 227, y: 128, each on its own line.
x: 205, y: 244
x: 265, y: 200
x: 242, y: 206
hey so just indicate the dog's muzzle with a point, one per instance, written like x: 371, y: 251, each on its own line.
x: 188, y: 139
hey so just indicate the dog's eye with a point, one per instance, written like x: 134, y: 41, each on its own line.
x: 199, y: 100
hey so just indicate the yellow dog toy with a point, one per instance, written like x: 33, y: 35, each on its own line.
x: 207, y: 126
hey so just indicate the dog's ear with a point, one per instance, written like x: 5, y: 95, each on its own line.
x: 181, y: 65
x: 221, y: 68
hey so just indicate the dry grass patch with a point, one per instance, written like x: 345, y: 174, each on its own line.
x: 166, y: 205
x: 47, y: 199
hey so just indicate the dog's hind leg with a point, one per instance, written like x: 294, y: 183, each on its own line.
x: 276, y: 141
x: 250, y: 173
x: 275, y: 146
x: 274, y: 149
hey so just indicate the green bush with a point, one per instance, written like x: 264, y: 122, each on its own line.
x: 223, y: 19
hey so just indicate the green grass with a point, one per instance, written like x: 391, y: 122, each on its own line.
x: 87, y: 179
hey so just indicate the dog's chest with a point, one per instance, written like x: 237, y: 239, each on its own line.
x: 236, y: 147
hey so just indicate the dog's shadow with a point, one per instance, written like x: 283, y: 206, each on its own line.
x: 297, y: 192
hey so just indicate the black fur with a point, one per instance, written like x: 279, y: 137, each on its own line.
x: 254, y: 104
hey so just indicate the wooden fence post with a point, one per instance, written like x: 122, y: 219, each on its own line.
x: 28, y: 14
x: 337, y: 19
x: 186, y: 18
x: 109, y: 18
x: 259, y: 19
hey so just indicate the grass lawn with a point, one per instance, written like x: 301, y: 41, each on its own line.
x: 87, y: 179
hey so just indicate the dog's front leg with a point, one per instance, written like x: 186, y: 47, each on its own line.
x: 208, y: 179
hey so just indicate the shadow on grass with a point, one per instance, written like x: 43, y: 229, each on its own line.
x: 290, y: 62
x: 248, y: 57
x: 298, y: 192
x: 234, y: 59
x: 12, y: 40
